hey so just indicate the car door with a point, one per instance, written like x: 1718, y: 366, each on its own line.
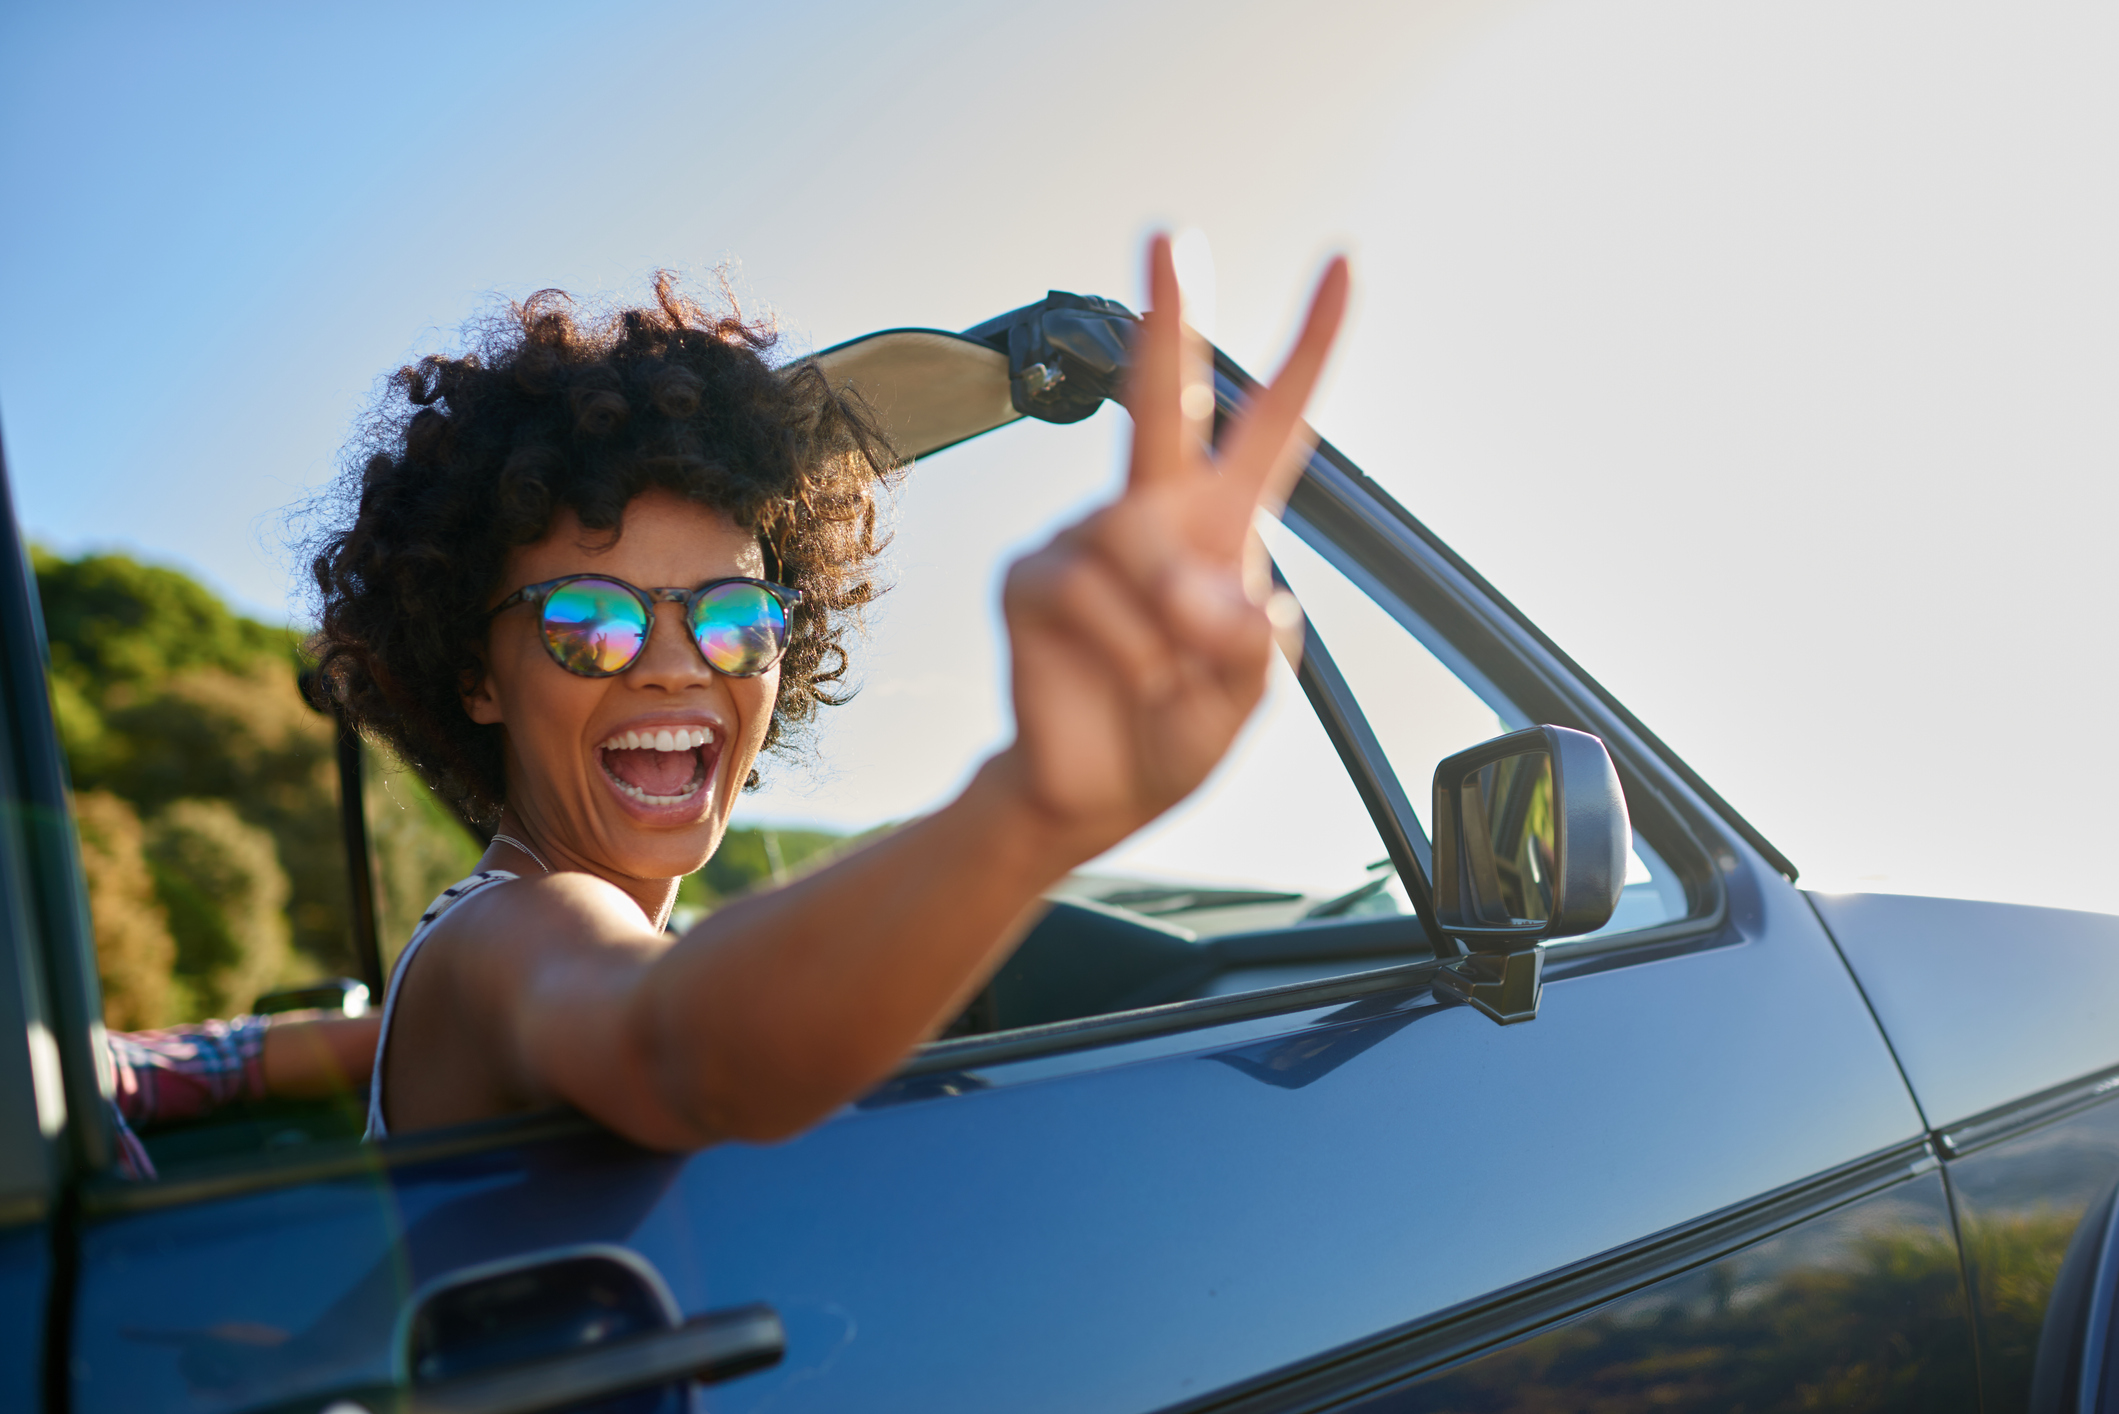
x: 1303, y: 1181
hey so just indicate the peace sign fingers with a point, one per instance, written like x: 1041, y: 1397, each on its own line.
x: 1137, y: 650
x: 1170, y: 394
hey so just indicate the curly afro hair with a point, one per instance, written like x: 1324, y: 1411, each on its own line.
x: 465, y: 458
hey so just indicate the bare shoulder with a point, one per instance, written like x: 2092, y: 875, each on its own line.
x: 546, y: 918
x: 461, y: 1046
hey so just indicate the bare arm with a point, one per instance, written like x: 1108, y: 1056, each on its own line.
x: 309, y: 1055
x: 1137, y: 656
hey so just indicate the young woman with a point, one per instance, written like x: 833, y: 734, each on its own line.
x: 588, y: 574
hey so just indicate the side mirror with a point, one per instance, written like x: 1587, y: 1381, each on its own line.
x: 1531, y: 842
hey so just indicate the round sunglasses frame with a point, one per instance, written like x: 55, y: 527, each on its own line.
x: 541, y: 592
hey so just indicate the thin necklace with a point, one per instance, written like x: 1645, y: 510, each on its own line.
x: 510, y: 839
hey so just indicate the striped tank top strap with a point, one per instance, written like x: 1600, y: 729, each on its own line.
x: 450, y: 897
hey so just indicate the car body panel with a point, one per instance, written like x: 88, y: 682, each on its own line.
x: 1862, y: 1308
x: 1191, y: 1220
x: 1985, y: 1003
x: 25, y: 1277
x: 2020, y: 1198
x: 2002, y: 1017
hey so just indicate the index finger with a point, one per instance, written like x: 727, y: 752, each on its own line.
x: 1168, y: 434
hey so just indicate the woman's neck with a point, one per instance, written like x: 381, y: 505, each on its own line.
x: 519, y: 847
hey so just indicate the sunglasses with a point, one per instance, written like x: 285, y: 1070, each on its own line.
x: 597, y: 627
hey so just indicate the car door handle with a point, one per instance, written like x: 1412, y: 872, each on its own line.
x: 716, y: 1346
x: 719, y: 1345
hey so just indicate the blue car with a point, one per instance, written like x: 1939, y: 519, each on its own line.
x: 1559, y: 1094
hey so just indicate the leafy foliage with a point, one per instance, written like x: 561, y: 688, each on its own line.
x: 220, y: 881
x: 134, y: 950
x: 207, y: 795
x: 117, y: 624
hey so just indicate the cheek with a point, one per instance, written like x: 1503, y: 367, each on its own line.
x: 754, y: 699
x: 538, y: 699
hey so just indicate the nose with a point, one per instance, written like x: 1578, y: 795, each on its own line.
x: 670, y: 660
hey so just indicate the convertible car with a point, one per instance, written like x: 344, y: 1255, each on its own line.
x: 1558, y: 1094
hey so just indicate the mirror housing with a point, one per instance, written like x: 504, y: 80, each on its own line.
x: 1531, y: 844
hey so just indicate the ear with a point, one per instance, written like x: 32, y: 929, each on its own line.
x: 480, y: 701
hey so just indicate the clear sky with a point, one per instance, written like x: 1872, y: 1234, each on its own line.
x: 1764, y: 353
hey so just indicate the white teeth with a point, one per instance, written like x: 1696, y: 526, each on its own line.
x: 661, y: 739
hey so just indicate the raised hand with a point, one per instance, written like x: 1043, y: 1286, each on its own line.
x: 1139, y: 648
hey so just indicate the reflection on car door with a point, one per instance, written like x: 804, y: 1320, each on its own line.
x: 2021, y: 1086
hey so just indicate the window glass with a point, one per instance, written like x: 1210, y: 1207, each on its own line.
x: 1423, y: 708
x: 1653, y: 893
x: 1420, y: 708
x: 1276, y: 839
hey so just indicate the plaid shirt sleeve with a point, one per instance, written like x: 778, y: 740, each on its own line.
x: 182, y: 1072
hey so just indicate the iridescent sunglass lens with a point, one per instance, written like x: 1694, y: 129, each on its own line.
x: 594, y: 627
x: 740, y: 627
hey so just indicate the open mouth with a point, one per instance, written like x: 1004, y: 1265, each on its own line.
x: 659, y: 768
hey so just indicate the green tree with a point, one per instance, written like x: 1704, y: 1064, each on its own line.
x: 135, y: 955
x: 226, y: 897
x: 186, y: 715
x: 116, y: 623
x: 249, y: 739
